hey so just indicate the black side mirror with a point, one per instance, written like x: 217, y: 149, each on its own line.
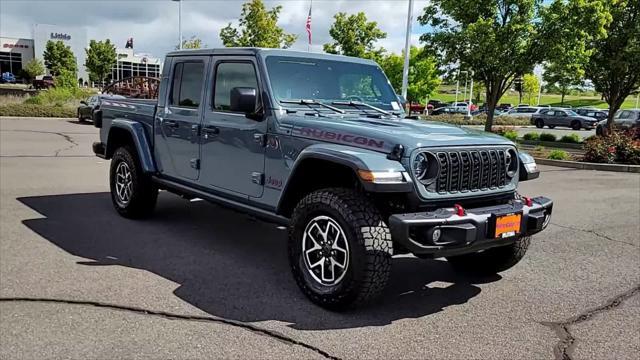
x: 243, y: 100
x: 83, y: 102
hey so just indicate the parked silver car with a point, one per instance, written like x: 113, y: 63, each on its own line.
x: 562, y: 117
x: 624, y: 119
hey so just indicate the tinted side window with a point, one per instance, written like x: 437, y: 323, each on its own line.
x: 228, y: 76
x: 186, y: 89
x: 625, y: 115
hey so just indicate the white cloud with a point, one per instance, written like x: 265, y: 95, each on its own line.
x: 154, y: 23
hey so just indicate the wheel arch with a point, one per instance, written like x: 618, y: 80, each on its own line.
x: 310, y: 171
x: 126, y: 132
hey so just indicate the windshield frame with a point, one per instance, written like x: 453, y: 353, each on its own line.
x: 278, y: 104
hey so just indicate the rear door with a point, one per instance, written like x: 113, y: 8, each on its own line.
x: 177, y: 123
x: 232, y: 144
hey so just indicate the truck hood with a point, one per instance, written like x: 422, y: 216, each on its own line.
x: 383, y: 134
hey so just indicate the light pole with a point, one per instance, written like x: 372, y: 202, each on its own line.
x: 457, y: 84
x: 470, y: 96
x: 179, y: 22
x: 407, y: 44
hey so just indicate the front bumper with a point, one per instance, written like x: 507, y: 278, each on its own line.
x: 471, y: 232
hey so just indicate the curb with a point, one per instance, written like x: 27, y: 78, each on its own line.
x: 589, y: 166
x: 6, y: 117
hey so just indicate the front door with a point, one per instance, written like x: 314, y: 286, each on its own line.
x: 177, y: 124
x: 232, y: 144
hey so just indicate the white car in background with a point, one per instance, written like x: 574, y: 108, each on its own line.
x: 523, y: 111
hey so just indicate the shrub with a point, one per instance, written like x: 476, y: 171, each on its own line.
x: 458, y: 119
x: 558, y: 155
x: 547, y: 137
x: 59, y: 96
x: 533, y: 136
x: 618, y: 147
x: 571, y: 138
x: 33, y: 110
x: 511, y: 135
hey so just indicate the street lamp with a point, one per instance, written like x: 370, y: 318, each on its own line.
x: 407, y: 45
x: 458, y: 84
x: 470, y: 95
x: 179, y: 22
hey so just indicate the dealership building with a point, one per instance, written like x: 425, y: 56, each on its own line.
x: 15, y: 53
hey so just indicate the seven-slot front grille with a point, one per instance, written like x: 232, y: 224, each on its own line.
x: 468, y: 170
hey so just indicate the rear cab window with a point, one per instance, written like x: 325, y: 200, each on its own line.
x: 186, y: 84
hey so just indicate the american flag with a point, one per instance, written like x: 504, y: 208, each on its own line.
x: 309, y: 23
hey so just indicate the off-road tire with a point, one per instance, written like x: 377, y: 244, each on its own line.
x: 144, y: 192
x: 493, y: 260
x: 575, y: 125
x: 539, y: 123
x: 370, y: 248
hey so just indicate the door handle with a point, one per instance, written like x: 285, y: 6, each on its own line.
x: 211, y: 130
x: 171, y: 123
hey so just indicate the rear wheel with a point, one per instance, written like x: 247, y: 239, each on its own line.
x: 575, y: 125
x: 492, y: 260
x: 339, y: 248
x: 133, y: 193
x: 539, y: 123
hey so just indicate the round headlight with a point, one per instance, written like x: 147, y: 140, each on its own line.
x: 420, y: 166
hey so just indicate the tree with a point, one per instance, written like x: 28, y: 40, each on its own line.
x: 258, y: 28
x: 57, y: 57
x: 353, y: 35
x: 564, y: 75
x: 101, y: 56
x: 423, y: 73
x: 530, y: 86
x: 614, y: 66
x: 497, y: 39
x: 33, y: 68
x: 567, y: 52
x: 192, y: 43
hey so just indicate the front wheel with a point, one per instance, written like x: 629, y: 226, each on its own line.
x: 133, y: 193
x: 576, y: 125
x: 493, y: 260
x: 339, y: 248
x: 539, y: 123
x: 80, y: 118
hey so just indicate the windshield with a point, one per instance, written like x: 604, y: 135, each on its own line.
x: 571, y: 112
x: 329, y: 81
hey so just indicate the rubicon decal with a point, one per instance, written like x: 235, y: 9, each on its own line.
x: 339, y: 137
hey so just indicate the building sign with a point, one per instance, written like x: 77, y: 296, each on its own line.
x: 15, y: 46
x: 60, y: 36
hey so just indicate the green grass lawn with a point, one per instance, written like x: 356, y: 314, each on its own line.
x: 545, y: 99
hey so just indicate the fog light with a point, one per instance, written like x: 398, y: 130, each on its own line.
x: 436, y: 235
x: 547, y: 219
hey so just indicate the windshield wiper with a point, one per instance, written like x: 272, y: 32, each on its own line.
x: 310, y: 102
x: 361, y: 104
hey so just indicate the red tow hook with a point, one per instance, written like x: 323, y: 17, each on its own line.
x: 527, y: 201
x: 459, y: 209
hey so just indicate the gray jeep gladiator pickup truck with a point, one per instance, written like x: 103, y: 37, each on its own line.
x: 319, y: 143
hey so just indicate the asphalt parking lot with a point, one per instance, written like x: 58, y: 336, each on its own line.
x: 199, y: 281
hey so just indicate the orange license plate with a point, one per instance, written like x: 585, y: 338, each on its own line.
x: 508, y: 225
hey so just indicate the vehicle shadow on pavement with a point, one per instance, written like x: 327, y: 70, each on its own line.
x: 231, y: 265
